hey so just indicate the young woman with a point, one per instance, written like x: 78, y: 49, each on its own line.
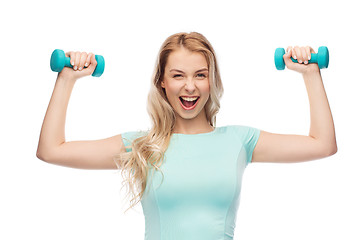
x: 186, y: 171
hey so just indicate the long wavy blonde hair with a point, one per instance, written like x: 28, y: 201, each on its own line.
x: 148, y: 151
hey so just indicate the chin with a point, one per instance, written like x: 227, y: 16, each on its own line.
x: 189, y: 116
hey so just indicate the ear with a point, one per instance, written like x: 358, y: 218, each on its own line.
x: 162, y: 84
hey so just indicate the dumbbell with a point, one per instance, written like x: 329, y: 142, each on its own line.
x: 321, y: 58
x: 58, y: 61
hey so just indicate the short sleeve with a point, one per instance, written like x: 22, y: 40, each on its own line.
x: 249, y: 137
x: 128, y: 137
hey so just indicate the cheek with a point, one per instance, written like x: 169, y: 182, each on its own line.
x: 205, y: 87
x: 171, y: 93
x: 173, y: 88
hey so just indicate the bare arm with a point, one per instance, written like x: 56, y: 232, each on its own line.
x: 52, y: 147
x: 321, y: 124
x: 53, y: 129
x: 321, y: 141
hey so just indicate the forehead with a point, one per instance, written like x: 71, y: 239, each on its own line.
x: 184, y: 59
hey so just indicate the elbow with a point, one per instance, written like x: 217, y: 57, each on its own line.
x: 42, y: 156
x: 331, y: 150
x: 39, y: 153
x: 334, y: 150
x: 328, y: 148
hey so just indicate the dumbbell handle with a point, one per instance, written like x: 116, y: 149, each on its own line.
x: 314, y: 58
x: 97, y: 58
x: 68, y: 64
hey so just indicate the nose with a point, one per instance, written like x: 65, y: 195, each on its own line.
x: 190, y: 84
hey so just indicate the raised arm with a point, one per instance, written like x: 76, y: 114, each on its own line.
x: 52, y: 147
x: 321, y: 141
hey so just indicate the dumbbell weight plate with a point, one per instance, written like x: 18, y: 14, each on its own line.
x: 323, y: 57
x: 57, y: 60
x: 100, y: 66
x: 278, y: 58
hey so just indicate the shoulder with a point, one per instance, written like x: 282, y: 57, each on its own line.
x: 129, y: 136
x: 247, y: 135
x: 241, y: 130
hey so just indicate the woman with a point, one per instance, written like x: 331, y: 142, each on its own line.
x: 186, y: 171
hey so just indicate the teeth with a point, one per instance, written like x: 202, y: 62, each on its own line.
x: 189, y: 99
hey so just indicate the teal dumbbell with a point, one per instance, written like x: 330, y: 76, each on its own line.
x: 58, y: 61
x: 321, y: 58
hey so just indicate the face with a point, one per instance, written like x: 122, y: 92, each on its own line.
x: 186, y: 83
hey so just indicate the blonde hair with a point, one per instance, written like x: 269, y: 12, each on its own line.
x: 148, y: 150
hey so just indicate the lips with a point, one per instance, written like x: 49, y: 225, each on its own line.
x: 188, y: 105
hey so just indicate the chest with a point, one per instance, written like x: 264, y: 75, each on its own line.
x: 204, y: 173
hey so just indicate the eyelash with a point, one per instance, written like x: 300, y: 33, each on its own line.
x: 202, y: 75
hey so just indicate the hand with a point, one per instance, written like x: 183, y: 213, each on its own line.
x: 302, y: 55
x: 83, y: 65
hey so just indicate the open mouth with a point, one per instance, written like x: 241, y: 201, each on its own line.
x: 188, y: 104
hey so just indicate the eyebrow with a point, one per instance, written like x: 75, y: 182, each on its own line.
x: 200, y: 70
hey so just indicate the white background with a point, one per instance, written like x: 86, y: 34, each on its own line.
x: 311, y: 200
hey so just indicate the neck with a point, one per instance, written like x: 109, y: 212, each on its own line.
x: 192, y: 126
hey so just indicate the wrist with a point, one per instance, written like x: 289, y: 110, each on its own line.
x: 311, y: 72
x: 66, y: 78
x: 65, y: 82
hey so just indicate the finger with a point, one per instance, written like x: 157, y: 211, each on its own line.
x: 304, y: 56
x: 308, y: 52
x: 83, y: 57
x: 293, y: 54
x: 289, y: 51
x: 92, y: 64
x: 88, y: 59
x: 298, y: 54
x: 77, y: 60
x: 93, y: 60
x: 72, y: 57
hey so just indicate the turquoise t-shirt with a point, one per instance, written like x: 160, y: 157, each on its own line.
x: 200, y: 193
